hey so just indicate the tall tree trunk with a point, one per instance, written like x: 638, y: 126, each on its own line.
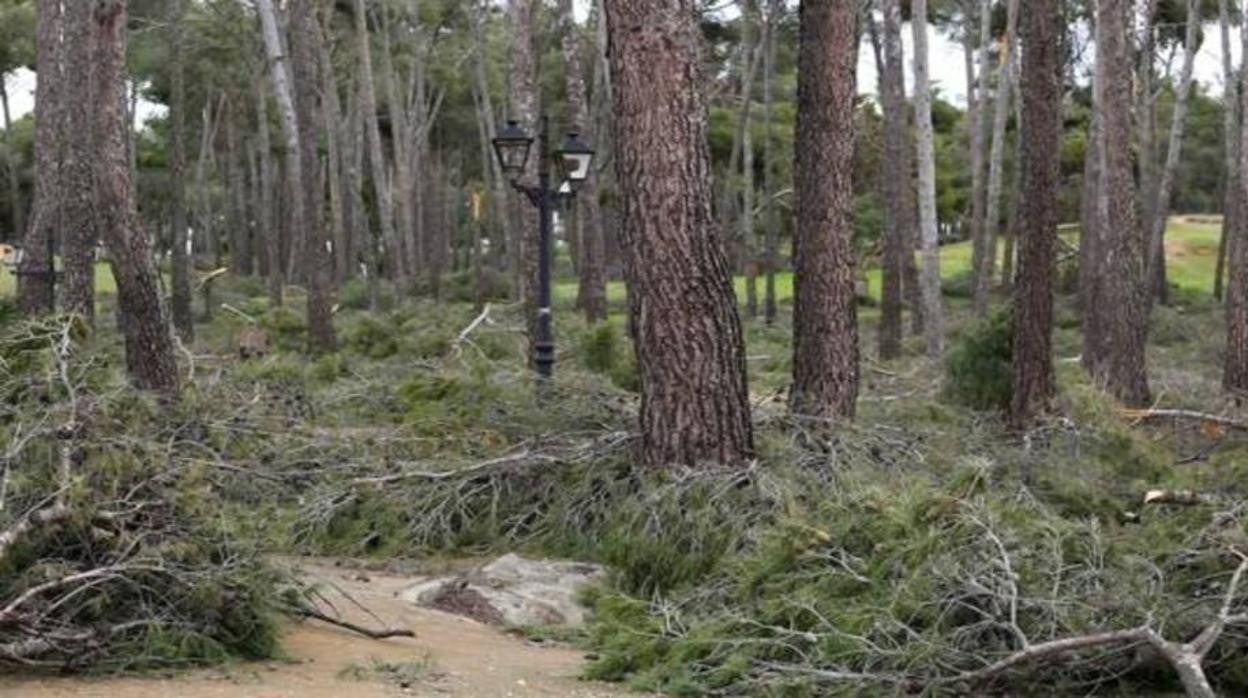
x: 149, y: 344
x: 498, y: 185
x: 1010, y: 233
x: 335, y: 137
x: 1146, y: 108
x: 1155, y: 262
x: 933, y: 314
x: 183, y: 316
x: 996, y: 162
x: 13, y: 166
x: 401, y: 139
x: 977, y: 106
x: 318, y: 261
x: 1235, y: 367
x: 592, y: 291
x: 825, y: 317
x: 1092, y: 223
x: 236, y: 189
x: 1231, y: 148
x: 771, y: 221
x: 1118, y: 360
x: 1033, y: 376
x: 523, y: 98
x: 269, y: 219
x: 79, y: 218
x: 690, y: 350
x: 376, y: 156
x: 898, y: 209
x: 35, y: 292
x: 749, y: 244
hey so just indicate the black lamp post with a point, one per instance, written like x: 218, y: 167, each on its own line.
x: 573, y: 161
x: 19, y: 265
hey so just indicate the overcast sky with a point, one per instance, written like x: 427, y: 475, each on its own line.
x: 947, y: 69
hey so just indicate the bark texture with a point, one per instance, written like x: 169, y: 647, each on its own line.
x: 78, y: 170
x: 690, y: 351
x: 1235, y: 368
x: 825, y: 317
x: 1118, y: 359
x: 898, y: 196
x: 149, y: 343
x: 183, y: 319
x: 933, y: 314
x: 1034, y: 384
x: 1233, y: 144
x: 36, y: 293
x: 523, y: 97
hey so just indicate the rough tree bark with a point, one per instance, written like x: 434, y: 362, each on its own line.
x: 35, y: 292
x: 1235, y: 366
x: 406, y: 217
x: 592, y: 291
x: 1118, y: 360
x: 977, y: 107
x: 1092, y: 215
x: 690, y: 350
x: 318, y: 262
x: 1155, y: 262
x: 523, y: 103
x: 268, y: 217
x: 183, y: 317
x: 996, y: 162
x: 898, y: 198
x: 78, y: 220
x: 825, y: 317
x: 149, y: 343
x: 771, y: 241
x: 933, y: 314
x: 1033, y: 377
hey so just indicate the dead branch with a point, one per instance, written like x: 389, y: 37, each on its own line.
x: 1136, y: 416
x: 306, y: 612
x: 1185, y: 498
x: 526, y: 457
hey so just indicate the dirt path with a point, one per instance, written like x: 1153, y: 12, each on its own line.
x: 450, y: 656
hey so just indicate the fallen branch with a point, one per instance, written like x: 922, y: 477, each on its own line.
x: 305, y: 612
x: 1146, y: 415
x: 1185, y: 498
x: 471, y: 470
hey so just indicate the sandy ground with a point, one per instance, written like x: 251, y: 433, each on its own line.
x: 450, y: 656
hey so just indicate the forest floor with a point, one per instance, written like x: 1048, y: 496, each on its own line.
x: 450, y: 656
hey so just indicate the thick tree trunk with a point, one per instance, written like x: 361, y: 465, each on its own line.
x: 690, y: 351
x: 1235, y: 368
x: 318, y: 261
x: 12, y: 165
x: 898, y: 208
x: 825, y: 318
x: 996, y: 163
x: 933, y: 314
x: 1155, y: 263
x: 1034, y: 384
x: 149, y: 341
x: 79, y: 233
x: 35, y: 292
x: 1118, y: 360
x: 183, y: 316
x: 592, y: 291
x: 1231, y: 149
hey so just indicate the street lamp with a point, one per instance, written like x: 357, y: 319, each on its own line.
x: 573, y: 161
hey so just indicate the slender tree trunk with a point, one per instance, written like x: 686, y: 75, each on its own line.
x: 933, y: 314
x: 1235, y: 368
x: 148, y: 338
x: 1118, y: 360
x: 523, y: 98
x: 996, y: 162
x: 690, y: 350
x: 1016, y: 190
x: 12, y: 165
x: 183, y: 317
x: 79, y: 218
x: 402, y: 143
x: 825, y: 317
x: 898, y: 212
x: 318, y: 262
x: 1033, y: 376
x: 1155, y: 263
x: 1146, y: 109
x: 771, y: 241
x: 269, y: 220
x: 498, y: 186
x: 376, y: 156
x: 1231, y: 149
x: 977, y: 105
x: 35, y: 292
x: 749, y: 243
x: 335, y: 137
x: 592, y: 292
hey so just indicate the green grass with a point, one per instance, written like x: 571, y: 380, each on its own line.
x: 104, y: 283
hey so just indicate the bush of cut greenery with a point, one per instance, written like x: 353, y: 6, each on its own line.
x: 978, y: 368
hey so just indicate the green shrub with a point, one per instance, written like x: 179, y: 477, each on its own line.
x: 960, y: 285
x: 372, y: 336
x: 978, y: 369
x: 495, y: 286
x: 287, y: 329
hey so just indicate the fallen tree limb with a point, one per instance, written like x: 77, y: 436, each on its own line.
x: 471, y: 470
x: 305, y: 612
x: 1151, y: 414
